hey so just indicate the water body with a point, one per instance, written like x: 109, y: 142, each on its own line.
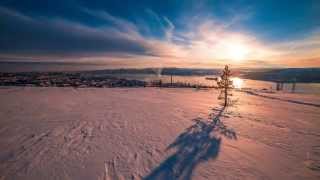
x: 307, y: 88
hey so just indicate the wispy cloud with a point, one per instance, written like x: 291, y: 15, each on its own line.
x: 26, y: 35
x: 203, y: 42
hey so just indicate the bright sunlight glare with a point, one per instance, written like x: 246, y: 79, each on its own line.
x: 237, y: 51
x: 237, y: 82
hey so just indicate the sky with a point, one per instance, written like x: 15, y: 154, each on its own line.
x: 164, y: 33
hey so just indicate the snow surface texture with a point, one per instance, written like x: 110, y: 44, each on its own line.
x: 152, y: 133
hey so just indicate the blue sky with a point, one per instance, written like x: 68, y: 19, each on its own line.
x: 166, y: 33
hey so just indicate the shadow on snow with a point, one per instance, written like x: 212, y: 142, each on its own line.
x: 198, y: 143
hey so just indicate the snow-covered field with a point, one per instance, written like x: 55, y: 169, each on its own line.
x: 152, y: 133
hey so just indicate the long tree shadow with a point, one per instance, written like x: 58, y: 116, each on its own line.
x: 198, y: 143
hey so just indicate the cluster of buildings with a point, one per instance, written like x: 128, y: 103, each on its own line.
x: 61, y: 79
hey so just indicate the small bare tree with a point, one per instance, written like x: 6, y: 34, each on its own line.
x: 224, y: 83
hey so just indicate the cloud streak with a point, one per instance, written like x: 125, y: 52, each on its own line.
x: 203, y: 42
x: 25, y: 35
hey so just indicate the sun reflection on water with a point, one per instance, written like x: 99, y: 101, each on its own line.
x: 237, y: 82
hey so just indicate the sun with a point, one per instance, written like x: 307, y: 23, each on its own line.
x: 237, y: 51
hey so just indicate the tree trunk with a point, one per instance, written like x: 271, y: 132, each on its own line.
x: 225, y: 96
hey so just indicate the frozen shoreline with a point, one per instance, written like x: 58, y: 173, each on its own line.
x: 135, y: 133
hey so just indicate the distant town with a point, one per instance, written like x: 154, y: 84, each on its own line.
x: 110, y: 78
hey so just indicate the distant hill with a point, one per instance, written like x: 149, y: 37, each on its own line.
x: 161, y: 71
x: 288, y: 75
